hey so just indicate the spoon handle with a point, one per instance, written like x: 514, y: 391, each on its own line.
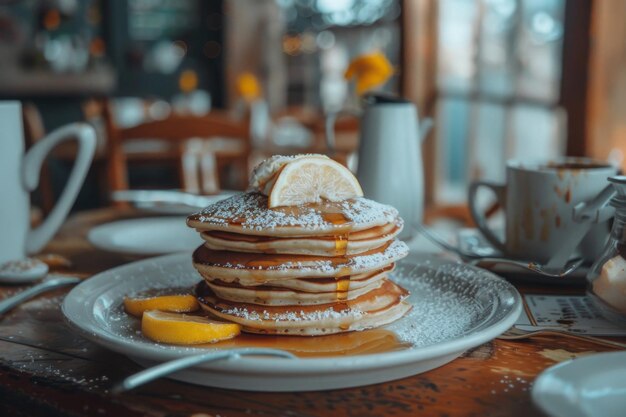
x: 440, y: 241
x: 11, y: 302
x: 167, y: 368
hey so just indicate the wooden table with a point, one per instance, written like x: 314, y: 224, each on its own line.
x: 48, y: 370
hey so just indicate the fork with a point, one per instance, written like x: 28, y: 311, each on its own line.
x: 47, y: 285
x: 518, y: 334
x: 166, y: 368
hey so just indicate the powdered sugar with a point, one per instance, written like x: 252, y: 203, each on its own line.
x: 294, y: 316
x: 250, y: 211
x: 449, y: 301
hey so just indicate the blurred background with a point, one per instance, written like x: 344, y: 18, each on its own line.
x: 501, y: 78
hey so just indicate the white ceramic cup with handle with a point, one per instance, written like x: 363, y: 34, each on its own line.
x: 538, y: 201
x: 19, y: 174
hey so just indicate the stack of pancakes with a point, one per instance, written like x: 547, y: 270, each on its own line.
x: 299, y: 270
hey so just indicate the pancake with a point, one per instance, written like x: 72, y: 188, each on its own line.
x: 315, y: 285
x: 280, y: 296
x: 345, y: 244
x: 376, y: 308
x: 248, y: 214
x: 257, y: 269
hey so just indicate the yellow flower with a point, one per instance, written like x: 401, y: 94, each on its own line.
x: 248, y: 87
x: 369, y: 71
x: 188, y: 81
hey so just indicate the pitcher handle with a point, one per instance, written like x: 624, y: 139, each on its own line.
x: 31, y: 166
x: 479, y: 218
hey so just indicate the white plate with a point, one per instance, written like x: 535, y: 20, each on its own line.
x: 181, y: 209
x: 456, y: 307
x: 169, y: 202
x: 146, y: 236
x: 591, y: 386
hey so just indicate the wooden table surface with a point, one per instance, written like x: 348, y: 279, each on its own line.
x: 48, y: 370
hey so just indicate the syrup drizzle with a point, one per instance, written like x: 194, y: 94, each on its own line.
x: 353, y: 343
x: 337, y: 218
x: 342, y: 281
x: 343, y: 286
x: 341, y: 245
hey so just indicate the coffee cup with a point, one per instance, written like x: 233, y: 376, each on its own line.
x: 19, y: 174
x: 538, y: 199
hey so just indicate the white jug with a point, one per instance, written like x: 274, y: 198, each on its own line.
x: 390, y: 167
x: 19, y: 174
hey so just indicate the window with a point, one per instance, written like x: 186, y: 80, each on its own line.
x: 498, y: 88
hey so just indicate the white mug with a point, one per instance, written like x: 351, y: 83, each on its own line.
x: 538, y: 201
x: 19, y: 174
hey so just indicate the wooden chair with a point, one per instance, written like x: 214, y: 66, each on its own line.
x: 204, y: 145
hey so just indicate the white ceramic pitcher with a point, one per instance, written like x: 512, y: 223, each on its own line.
x: 19, y: 174
x: 390, y: 167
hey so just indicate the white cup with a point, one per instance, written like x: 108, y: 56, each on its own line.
x: 19, y: 174
x: 538, y: 201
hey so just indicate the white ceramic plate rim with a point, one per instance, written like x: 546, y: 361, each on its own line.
x: 180, y: 209
x: 99, y: 235
x: 554, y: 405
x: 275, y: 366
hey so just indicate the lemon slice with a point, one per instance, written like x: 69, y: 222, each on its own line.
x: 311, y: 179
x: 181, y: 329
x: 175, y: 303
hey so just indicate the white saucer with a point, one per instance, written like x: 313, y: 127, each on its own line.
x: 455, y: 308
x: 471, y: 240
x: 591, y: 386
x: 145, y: 236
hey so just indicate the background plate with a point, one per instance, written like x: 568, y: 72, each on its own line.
x: 591, y: 386
x: 145, y: 236
x: 455, y: 308
x: 181, y: 209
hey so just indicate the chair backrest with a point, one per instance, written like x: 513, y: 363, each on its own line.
x: 177, y: 129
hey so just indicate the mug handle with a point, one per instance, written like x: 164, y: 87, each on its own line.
x: 479, y: 218
x: 31, y: 166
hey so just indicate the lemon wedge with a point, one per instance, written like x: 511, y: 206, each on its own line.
x: 181, y: 329
x: 310, y: 179
x: 175, y: 303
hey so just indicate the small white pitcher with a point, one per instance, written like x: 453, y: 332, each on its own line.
x: 390, y: 167
x: 19, y: 174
